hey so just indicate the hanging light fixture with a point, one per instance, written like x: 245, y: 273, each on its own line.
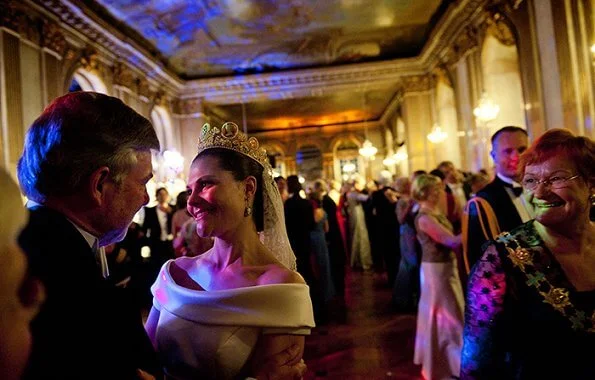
x: 368, y: 150
x: 349, y: 167
x: 486, y: 110
x: 401, y: 155
x: 389, y: 160
x: 436, y: 135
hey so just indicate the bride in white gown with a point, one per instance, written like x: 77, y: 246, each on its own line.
x: 231, y: 312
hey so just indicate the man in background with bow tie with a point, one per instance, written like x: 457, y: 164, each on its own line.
x: 84, y: 169
x: 503, y: 194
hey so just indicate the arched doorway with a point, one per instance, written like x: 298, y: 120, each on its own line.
x: 347, y: 160
x: 309, y: 162
x: 163, y: 127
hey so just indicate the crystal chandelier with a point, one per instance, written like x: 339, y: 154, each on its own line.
x: 487, y: 110
x: 401, y: 155
x: 368, y: 150
x: 388, y: 161
x: 437, y: 135
x: 349, y: 168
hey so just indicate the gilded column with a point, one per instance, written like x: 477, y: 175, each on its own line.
x: 12, y: 107
x: 54, y: 49
x: 191, y: 117
x: 290, y: 165
x: 328, y: 169
x: 417, y: 116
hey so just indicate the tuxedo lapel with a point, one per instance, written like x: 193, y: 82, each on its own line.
x: 506, y: 212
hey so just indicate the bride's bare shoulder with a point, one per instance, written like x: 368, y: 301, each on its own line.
x: 278, y: 274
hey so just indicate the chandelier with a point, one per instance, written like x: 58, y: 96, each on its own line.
x: 349, y: 167
x: 487, y: 110
x: 401, y: 155
x: 437, y: 135
x: 368, y: 150
x: 388, y: 161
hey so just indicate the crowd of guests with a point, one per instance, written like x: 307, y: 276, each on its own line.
x: 243, y: 266
x: 519, y: 244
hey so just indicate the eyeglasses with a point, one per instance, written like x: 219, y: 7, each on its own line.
x: 554, y: 182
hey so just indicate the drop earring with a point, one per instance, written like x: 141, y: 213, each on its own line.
x: 248, y: 209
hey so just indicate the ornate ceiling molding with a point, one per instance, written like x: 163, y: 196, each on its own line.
x: 417, y: 83
x: 52, y: 37
x: 303, y: 83
x: 107, y: 40
x: 500, y: 29
x: 459, y: 19
x: 194, y: 106
x: 123, y: 76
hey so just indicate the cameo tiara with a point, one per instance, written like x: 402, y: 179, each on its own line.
x: 230, y: 137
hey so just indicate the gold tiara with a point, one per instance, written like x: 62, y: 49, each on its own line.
x: 230, y: 137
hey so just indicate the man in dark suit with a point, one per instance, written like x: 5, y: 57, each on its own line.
x: 299, y: 221
x: 84, y: 168
x: 503, y: 193
x: 157, y: 228
x: 334, y: 241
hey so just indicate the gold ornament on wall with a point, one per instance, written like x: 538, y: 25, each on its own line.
x: 88, y: 60
x: 500, y: 29
x: 52, y: 37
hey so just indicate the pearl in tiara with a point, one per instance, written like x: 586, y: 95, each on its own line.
x: 230, y: 137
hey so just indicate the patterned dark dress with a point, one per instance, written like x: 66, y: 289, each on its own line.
x: 523, y: 318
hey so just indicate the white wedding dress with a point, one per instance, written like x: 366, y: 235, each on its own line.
x: 212, y: 334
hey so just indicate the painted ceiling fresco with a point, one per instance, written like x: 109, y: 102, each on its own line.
x: 208, y: 38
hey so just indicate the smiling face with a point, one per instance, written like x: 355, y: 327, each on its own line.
x: 216, y: 200
x: 561, y: 206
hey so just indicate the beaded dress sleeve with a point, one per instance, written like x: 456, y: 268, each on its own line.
x: 483, y: 355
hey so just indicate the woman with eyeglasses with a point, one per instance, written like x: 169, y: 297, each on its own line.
x: 530, y: 308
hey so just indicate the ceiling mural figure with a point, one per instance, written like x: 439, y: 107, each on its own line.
x: 208, y: 38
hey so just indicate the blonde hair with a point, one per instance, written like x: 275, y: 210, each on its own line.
x: 423, y: 185
x: 402, y: 183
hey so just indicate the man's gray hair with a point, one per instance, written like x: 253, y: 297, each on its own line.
x: 74, y: 136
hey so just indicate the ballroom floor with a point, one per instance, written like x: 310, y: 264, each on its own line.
x: 364, y: 340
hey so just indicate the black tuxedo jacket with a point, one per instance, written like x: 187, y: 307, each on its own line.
x: 299, y: 221
x: 151, y: 223
x: 508, y: 217
x: 87, y: 328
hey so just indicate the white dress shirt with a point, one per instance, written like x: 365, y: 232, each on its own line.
x: 519, y: 202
